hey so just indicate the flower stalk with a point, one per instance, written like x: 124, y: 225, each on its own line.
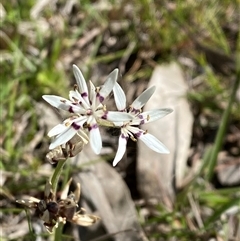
x: 56, y: 174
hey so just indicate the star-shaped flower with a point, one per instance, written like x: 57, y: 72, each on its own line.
x: 87, y: 111
x: 130, y: 128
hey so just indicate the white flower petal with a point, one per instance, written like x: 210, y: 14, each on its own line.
x: 122, y: 144
x: 80, y: 120
x: 119, y: 96
x: 58, y: 102
x: 60, y: 128
x: 142, y: 99
x: 108, y: 85
x: 116, y: 116
x: 92, y: 90
x: 95, y: 139
x: 135, y: 130
x: 152, y: 115
x: 81, y: 82
x: 153, y: 143
x: 63, y: 137
x: 92, y: 96
x: 56, y: 130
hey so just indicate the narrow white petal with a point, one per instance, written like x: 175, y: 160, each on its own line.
x: 58, y: 102
x: 92, y: 96
x: 153, y: 143
x: 152, y: 115
x: 95, y: 139
x: 135, y: 130
x: 122, y: 144
x: 108, y: 85
x: 119, y: 97
x: 60, y: 128
x: 118, y: 124
x: 56, y: 130
x: 63, y: 137
x: 142, y: 99
x: 81, y: 82
x: 116, y: 116
x: 92, y: 90
x: 80, y: 120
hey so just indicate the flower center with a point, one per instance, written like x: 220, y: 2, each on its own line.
x: 89, y: 112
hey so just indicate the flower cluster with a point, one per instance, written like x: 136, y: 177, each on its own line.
x: 53, y: 211
x: 87, y: 111
x: 131, y: 128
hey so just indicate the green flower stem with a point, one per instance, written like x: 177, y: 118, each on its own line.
x: 222, y: 130
x: 58, y: 232
x: 54, y: 180
x: 56, y: 175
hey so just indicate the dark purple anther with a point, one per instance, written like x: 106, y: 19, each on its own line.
x: 101, y: 98
x: 138, y: 134
x: 95, y: 126
x: 71, y: 109
x: 141, y: 118
x: 76, y: 126
x: 135, y: 110
x: 105, y: 116
x: 124, y: 137
x: 84, y: 94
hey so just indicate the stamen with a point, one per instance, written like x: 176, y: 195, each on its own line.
x: 105, y: 116
x: 75, y: 99
x: 76, y: 126
x: 95, y: 126
x: 71, y: 109
x: 75, y: 87
x: 84, y: 94
x: 101, y: 98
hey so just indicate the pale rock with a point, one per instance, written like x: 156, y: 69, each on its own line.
x: 159, y: 175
